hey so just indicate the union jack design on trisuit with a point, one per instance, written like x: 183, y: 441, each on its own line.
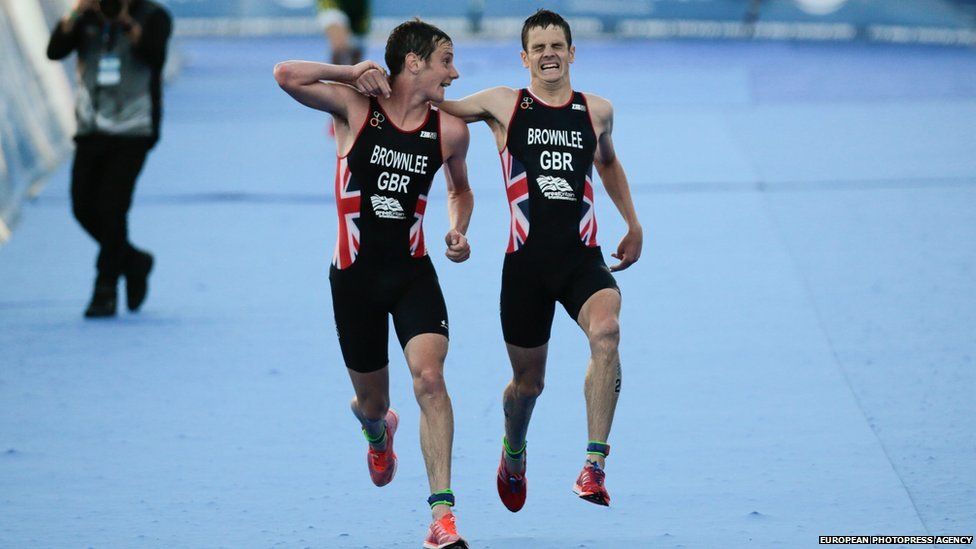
x: 517, y: 188
x: 347, y: 194
x: 588, y: 214
x: 417, y: 247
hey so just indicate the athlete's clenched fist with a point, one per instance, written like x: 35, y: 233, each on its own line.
x: 458, y: 249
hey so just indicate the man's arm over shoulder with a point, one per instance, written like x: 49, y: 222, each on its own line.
x: 322, y: 86
x: 491, y: 104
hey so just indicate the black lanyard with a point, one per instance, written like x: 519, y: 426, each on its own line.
x: 110, y: 36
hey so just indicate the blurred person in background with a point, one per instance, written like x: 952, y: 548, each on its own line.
x: 346, y: 23
x: 550, y: 137
x: 390, y: 142
x: 121, y: 46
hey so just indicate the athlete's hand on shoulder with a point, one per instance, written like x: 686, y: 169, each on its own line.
x: 458, y: 249
x: 371, y: 79
x: 629, y: 249
x: 363, y: 66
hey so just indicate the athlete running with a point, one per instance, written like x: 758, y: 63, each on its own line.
x: 549, y: 137
x: 391, y: 142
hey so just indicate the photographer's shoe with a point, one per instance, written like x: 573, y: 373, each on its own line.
x: 103, y: 302
x: 137, y: 280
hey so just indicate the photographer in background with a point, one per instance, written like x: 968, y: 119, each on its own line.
x: 121, y: 47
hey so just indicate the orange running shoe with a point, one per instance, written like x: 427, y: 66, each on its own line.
x: 382, y: 465
x: 589, y: 485
x: 442, y: 534
x: 511, y: 487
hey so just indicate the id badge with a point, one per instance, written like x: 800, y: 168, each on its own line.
x: 109, y: 70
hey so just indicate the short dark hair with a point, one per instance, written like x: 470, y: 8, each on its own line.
x: 412, y: 36
x: 545, y: 18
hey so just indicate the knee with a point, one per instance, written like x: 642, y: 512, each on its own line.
x: 605, y: 336
x: 529, y: 388
x: 429, y: 384
x: 373, y: 406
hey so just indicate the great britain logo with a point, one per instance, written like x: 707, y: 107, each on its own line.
x: 526, y: 103
x: 386, y: 207
x: 555, y: 188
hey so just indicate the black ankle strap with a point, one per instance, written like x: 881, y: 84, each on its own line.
x: 598, y: 448
x: 444, y: 497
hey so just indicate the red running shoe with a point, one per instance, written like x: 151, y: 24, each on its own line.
x: 382, y: 465
x: 442, y: 534
x: 511, y: 487
x: 589, y: 485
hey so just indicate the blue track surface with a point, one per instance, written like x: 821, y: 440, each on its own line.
x: 798, y: 339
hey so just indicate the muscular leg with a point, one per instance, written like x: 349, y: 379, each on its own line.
x: 425, y: 354
x: 518, y: 400
x: 599, y: 319
x: 372, y: 400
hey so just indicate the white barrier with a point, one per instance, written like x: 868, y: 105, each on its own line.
x: 36, y: 106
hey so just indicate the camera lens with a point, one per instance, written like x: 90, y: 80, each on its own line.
x: 110, y: 8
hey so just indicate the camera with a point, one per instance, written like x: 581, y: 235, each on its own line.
x: 110, y: 8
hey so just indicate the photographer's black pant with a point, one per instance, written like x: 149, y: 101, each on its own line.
x: 103, y: 178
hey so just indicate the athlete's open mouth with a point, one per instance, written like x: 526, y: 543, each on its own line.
x: 445, y: 84
x: 547, y: 66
